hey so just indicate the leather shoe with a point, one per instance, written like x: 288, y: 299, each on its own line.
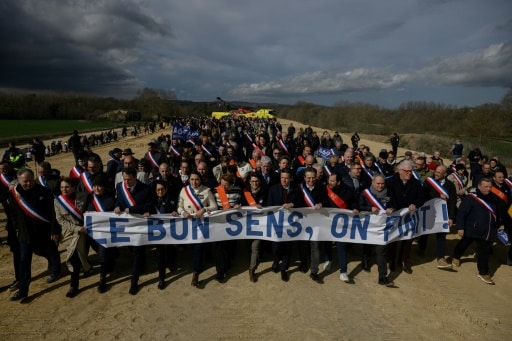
x: 195, y: 279
x: 88, y: 273
x: 18, y: 296
x: 14, y: 286
x: 275, y: 266
x: 52, y: 278
x: 284, y: 276
x: 161, y: 284
x: 134, y: 287
x: 315, y: 278
x: 220, y: 277
x: 406, y: 267
x: 72, y: 292
x: 303, y: 267
x: 252, y: 275
x: 102, y: 286
x: 386, y: 282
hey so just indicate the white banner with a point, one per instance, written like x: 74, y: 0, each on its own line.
x: 271, y: 223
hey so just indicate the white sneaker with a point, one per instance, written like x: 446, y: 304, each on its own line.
x: 344, y: 277
x: 327, y: 265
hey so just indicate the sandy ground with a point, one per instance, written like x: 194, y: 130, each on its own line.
x: 429, y: 304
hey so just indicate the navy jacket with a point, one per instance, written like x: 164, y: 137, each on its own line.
x: 476, y: 220
x: 144, y: 200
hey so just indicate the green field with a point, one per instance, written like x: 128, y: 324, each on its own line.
x: 21, y: 130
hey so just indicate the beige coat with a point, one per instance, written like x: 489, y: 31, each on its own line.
x: 71, y: 238
x: 205, y: 195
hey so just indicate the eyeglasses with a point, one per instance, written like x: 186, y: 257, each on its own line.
x: 406, y: 170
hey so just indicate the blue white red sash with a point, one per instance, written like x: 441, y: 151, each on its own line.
x: 333, y: 151
x: 484, y: 204
x: 42, y: 181
x: 437, y: 186
x: 26, y: 207
x: 97, y: 203
x: 366, y: 170
x: 189, y: 191
x: 458, y: 179
x: 85, y: 177
x: 70, y: 207
x: 206, y: 150
x: 254, y: 146
x: 175, y: 151
x: 373, y: 200
x: 127, y: 195
x: 328, y: 169
x: 379, y: 167
x: 307, y: 195
x: 416, y: 175
x: 282, y: 145
x: 4, y: 179
x: 508, y: 182
x: 152, y: 160
x: 76, y: 172
x: 192, y: 141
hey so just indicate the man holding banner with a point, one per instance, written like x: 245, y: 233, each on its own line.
x: 438, y: 186
x: 134, y: 197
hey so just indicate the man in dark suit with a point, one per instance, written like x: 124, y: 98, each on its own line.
x: 311, y: 195
x: 404, y: 192
x: 285, y: 195
x: 134, y: 197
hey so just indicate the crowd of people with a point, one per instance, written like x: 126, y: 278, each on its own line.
x: 236, y: 162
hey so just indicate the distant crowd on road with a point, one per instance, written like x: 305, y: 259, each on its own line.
x: 237, y: 162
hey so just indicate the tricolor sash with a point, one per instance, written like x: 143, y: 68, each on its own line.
x: 336, y: 199
x: 127, y: 195
x: 85, y: 177
x: 484, y: 204
x: 373, y: 199
x: 328, y: 169
x: 459, y: 180
x: 250, y: 198
x: 175, y: 151
x: 254, y: 146
x: 76, y: 172
x: 307, y: 195
x: 70, y: 207
x: 42, y: 181
x: 367, y: 171
x: 333, y: 151
x: 5, y: 180
x: 437, y: 186
x: 508, y: 182
x: 301, y: 160
x: 416, y: 175
x: 499, y: 194
x: 379, y: 167
x: 151, y: 158
x: 97, y: 203
x: 192, y: 141
x: 206, y: 150
x: 282, y: 145
x: 223, y: 197
x: 26, y: 207
x: 193, y: 198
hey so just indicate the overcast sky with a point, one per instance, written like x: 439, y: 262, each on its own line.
x: 324, y: 51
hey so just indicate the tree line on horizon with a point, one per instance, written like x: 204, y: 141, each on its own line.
x: 490, y: 120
